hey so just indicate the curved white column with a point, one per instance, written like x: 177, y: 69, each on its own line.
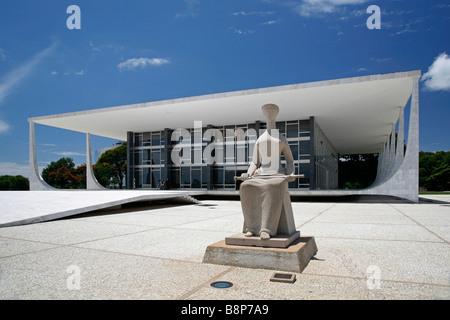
x: 403, y: 181
x: 400, y: 150
x: 36, y: 181
x: 91, y: 181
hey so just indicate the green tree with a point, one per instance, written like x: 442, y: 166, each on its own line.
x: 112, y: 166
x: 434, y: 170
x: 63, y: 174
x: 14, y: 183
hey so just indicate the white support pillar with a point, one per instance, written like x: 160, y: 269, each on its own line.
x: 391, y: 166
x: 36, y: 181
x: 380, y: 160
x: 404, y: 182
x: 399, y: 154
x: 384, y: 164
x: 91, y: 181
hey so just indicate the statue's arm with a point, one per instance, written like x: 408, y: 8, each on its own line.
x: 290, y: 170
x: 254, y: 163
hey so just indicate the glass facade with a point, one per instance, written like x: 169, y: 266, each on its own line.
x: 212, y: 157
x: 325, y: 161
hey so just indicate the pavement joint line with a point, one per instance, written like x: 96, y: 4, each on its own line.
x: 316, y: 215
x: 132, y: 254
x: 29, y: 240
x: 87, y: 241
x: 157, y: 227
x: 382, y: 280
x: 205, y: 284
x: 377, y: 223
x: 379, y: 239
x: 30, y: 252
x: 433, y: 233
x: 105, y: 238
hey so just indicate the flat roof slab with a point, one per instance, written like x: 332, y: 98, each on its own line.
x: 356, y: 114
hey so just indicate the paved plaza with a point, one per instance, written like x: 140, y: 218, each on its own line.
x: 369, y: 248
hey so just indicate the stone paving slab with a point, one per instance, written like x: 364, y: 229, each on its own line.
x: 389, y: 250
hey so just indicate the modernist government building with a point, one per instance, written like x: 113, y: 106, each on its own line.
x: 203, y: 142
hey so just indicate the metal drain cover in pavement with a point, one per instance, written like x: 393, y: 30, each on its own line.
x: 221, y: 284
x: 283, y: 277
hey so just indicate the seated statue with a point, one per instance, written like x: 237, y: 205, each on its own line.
x: 265, y: 187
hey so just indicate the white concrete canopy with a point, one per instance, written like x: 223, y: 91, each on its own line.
x: 356, y: 114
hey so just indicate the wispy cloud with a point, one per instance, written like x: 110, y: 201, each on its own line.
x: 308, y: 8
x: 438, y: 75
x: 96, y: 48
x: 141, y: 63
x: 12, y: 80
x: 252, y: 13
x: 68, y: 73
x: 14, y: 169
x: 271, y: 22
x: 380, y: 60
x: 407, y: 30
x: 4, y: 127
x: 2, y: 54
x: 240, y: 31
x: 68, y: 153
x: 190, y: 10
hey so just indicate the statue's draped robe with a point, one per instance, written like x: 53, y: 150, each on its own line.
x: 262, y: 196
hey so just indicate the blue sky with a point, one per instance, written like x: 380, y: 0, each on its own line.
x: 139, y: 51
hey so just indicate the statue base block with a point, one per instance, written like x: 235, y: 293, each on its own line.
x: 278, y: 241
x: 294, y: 258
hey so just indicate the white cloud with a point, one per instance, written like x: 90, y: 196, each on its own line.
x: 270, y: 22
x: 379, y: 60
x: 402, y: 32
x: 251, y: 13
x: 69, y: 73
x: 141, y: 63
x: 241, y: 32
x: 438, y: 75
x: 13, y: 79
x: 2, y: 54
x: 13, y: 169
x: 316, y: 7
x: 4, y: 127
x: 244, y: 32
x: 97, y: 48
x: 68, y: 153
x: 191, y: 9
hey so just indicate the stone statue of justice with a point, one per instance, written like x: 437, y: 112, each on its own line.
x: 265, y: 199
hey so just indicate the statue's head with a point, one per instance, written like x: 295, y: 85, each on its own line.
x: 270, y: 111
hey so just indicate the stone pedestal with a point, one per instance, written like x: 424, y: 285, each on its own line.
x: 294, y: 258
x: 278, y: 241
